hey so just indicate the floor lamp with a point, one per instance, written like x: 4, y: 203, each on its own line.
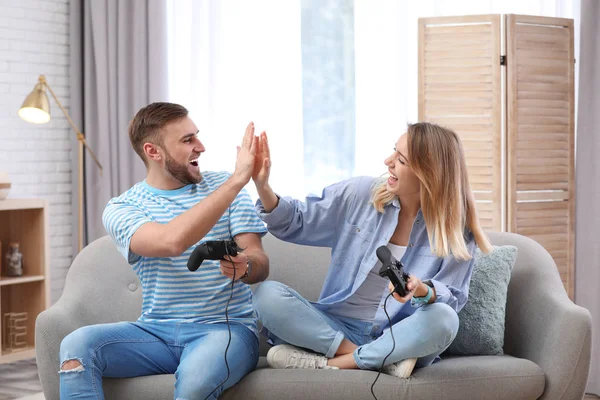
x: 36, y: 109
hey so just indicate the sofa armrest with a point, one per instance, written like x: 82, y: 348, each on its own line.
x: 543, y: 325
x: 51, y: 327
x: 100, y: 287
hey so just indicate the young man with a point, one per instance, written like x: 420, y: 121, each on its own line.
x: 156, y: 224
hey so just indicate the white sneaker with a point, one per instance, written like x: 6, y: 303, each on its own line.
x: 285, y: 356
x: 401, y: 369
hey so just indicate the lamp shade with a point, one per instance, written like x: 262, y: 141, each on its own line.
x: 36, y: 107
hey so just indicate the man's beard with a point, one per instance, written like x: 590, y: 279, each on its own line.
x: 180, y: 171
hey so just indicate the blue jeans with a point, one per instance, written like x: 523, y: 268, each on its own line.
x: 194, y: 352
x: 293, y: 319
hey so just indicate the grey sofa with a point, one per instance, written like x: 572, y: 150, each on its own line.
x: 547, y: 337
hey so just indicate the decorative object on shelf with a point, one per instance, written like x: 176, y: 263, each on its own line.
x: 23, y: 220
x: 36, y: 109
x: 4, y: 185
x: 14, y: 260
x: 15, y: 331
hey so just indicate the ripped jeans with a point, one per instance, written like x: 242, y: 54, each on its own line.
x: 194, y: 352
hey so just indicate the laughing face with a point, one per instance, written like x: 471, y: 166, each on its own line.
x: 182, y: 150
x: 402, y: 180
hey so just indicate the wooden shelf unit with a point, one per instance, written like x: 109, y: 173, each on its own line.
x: 24, y: 221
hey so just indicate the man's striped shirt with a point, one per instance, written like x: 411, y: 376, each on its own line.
x: 171, y: 292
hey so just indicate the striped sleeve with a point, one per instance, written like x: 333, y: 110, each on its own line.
x: 121, y: 220
x: 243, y: 217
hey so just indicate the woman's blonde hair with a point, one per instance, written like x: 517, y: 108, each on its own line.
x: 436, y: 156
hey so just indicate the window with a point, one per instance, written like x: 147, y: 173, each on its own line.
x: 333, y: 82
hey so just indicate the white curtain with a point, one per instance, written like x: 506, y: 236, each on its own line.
x: 118, y: 54
x: 588, y: 181
x: 234, y: 61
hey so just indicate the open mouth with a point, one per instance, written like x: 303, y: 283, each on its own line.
x: 392, y: 178
x: 194, y: 163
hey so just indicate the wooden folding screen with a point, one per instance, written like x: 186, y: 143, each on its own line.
x: 540, y: 164
x: 459, y: 87
x: 514, y: 111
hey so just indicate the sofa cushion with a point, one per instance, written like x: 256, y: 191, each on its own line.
x: 151, y: 387
x: 481, y: 329
x: 482, y: 377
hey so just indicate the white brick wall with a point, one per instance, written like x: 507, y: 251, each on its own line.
x: 34, y: 40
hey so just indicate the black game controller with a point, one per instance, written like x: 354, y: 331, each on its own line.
x: 212, y: 250
x: 393, y: 270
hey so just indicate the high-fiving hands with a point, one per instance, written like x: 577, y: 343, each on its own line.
x: 253, y: 158
x: 254, y: 161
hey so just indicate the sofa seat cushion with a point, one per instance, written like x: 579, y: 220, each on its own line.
x: 481, y: 377
x: 153, y: 387
x: 473, y: 377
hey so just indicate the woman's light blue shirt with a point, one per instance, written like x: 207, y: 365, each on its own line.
x: 344, y: 219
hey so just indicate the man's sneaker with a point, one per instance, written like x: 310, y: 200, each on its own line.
x: 401, y: 369
x: 285, y: 356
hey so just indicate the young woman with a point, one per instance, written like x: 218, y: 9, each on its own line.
x: 424, y: 213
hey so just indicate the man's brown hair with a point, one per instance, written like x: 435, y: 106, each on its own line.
x: 147, y: 123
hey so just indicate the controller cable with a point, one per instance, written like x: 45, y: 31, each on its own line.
x: 228, y: 327
x: 393, y: 345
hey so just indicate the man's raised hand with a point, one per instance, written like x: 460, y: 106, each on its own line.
x: 246, y: 154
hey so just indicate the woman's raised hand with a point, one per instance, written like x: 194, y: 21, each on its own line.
x: 262, y: 162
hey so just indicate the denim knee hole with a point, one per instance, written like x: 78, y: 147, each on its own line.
x: 78, y: 368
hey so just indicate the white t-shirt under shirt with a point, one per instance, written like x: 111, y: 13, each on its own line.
x: 171, y: 292
x: 363, y: 304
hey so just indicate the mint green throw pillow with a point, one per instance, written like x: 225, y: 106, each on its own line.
x: 481, y: 329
